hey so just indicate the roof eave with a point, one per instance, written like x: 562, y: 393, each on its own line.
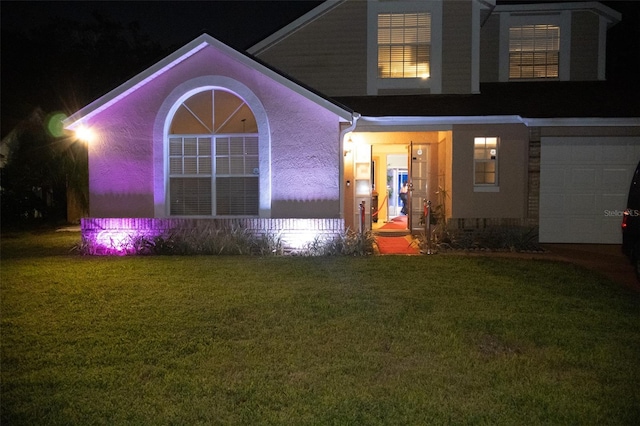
x: 294, y: 26
x: 180, y: 55
x: 446, y: 122
x: 612, y: 16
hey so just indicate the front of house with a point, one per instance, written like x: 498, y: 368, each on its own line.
x: 472, y: 103
x: 209, y: 133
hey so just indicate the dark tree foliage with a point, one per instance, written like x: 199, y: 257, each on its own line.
x: 75, y: 63
x: 32, y: 180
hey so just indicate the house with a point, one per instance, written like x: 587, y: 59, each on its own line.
x: 495, y: 114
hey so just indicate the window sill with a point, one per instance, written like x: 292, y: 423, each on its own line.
x: 403, y: 83
x: 486, y: 189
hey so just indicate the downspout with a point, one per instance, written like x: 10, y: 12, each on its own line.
x: 354, y: 122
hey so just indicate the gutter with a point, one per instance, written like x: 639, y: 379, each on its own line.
x: 355, y: 116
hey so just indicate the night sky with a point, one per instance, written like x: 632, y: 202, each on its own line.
x: 172, y: 23
x: 26, y: 83
x: 41, y: 70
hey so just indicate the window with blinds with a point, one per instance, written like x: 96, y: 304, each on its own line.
x: 534, y: 51
x: 190, y: 175
x: 237, y: 175
x: 404, y: 45
x: 215, y: 172
x: 485, y: 161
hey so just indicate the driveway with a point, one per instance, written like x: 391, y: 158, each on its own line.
x: 606, y: 259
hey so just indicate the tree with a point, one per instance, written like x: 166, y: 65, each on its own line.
x: 57, y: 68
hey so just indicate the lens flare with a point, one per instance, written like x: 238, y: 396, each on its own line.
x: 54, y: 124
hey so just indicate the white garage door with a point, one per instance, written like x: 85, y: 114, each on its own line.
x: 584, y: 183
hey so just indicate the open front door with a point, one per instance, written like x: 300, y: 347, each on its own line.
x: 418, y: 183
x: 363, y: 185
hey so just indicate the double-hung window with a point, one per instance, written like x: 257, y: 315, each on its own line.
x: 534, y: 51
x: 404, y: 45
x: 485, y: 161
x: 213, y: 157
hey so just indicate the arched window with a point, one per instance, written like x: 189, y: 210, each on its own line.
x: 213, y: 157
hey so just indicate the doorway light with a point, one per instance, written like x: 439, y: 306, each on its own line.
x: 348, y: 147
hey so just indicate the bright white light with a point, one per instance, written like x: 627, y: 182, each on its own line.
x: 114, y: 241
x: 85, y: 134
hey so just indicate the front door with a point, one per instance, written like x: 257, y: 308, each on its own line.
x: 363, y: 185
x: 419, y: 185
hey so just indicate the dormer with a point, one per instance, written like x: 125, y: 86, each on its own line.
x: 546, y: 42
x: 424, y: 46
x: 376, y: 47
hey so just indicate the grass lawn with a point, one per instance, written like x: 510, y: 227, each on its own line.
x: 294, y: 340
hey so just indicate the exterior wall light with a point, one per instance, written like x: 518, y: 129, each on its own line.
x: 348, y: 147
x: 85, y: 134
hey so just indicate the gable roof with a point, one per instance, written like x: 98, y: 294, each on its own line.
x: 319, y: 11
x: 294, y: 26
x: 181, y: 55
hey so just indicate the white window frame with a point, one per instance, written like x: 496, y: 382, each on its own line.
x: 214, y: 172
x: 535, y: 51
x: 409, y: 32
x: 162, y: 127
x: 195, y: 165
x: 494, y: 158
x: 433, y: 84
x: 560, y: 19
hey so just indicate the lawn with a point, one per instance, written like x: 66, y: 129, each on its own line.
x: 298, y: 340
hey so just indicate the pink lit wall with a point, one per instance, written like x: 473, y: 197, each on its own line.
x: 299, y: 142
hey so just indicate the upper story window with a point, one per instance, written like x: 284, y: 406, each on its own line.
x: 535, y: 46
x: 534, y: 51
x: 404, y: 45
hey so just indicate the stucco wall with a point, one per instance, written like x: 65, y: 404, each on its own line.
x: 121, y: 160
x: 511, y: 199
x: 299, y: 167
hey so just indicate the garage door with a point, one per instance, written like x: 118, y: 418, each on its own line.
x: 584, y: 183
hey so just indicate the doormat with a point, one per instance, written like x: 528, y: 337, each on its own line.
x: 399, y: 222
x: 396, y: 245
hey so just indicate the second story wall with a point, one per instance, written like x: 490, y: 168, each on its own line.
x: 329, y: 53
x: 490, y: 49
x: 585, y: 34
x: 457, y: 47
x: 357, y: 48
x: 553, y: 42
x: 404, y: 47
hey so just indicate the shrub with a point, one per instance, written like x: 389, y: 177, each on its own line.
x: 503, y: 238
x: 230, y: 240
x: 348, y: 243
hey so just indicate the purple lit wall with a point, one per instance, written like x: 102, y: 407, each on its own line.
x: 299, y: 143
